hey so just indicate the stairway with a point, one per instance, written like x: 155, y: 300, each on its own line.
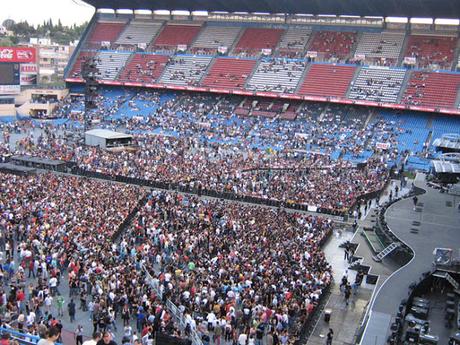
x: 121, y: 70
x: 402, y: 91
x: 302, y: 78
x: 208, y: 69
x: 352, y: 82
x: 392, y: 246
x: 448, y: 277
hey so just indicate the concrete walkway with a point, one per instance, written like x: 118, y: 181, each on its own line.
x: 346, y: 320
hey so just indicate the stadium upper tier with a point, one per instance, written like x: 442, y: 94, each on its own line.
x: 360, y: 65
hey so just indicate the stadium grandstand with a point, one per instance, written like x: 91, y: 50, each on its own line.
x: 265, y: 136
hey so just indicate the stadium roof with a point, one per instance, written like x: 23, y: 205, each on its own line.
x: 389, y: 8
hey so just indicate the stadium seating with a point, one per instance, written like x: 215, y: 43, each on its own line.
x: 77, y: 66
x: 139, y: 32
x: 294, y: 40
x: 327, y: 80
x: 110, y: 63
x: 432, y: 89
x: 411, y: 130
x: 333, y: 44
x: 432, y: 50
x: 105, y: 32
x: 277, y: 76
x: 444, y: 125
x: 213, y: 37
x: 254, y: 40
x: 264, y: 108
x: 229, y: 73
x: 377, y: 84
x: 144, y: 68
x: 386, y: 45
x: 173, y: 35
x: 185, y: 70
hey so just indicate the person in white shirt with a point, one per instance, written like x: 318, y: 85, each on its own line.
x: 48, y: 302
x: 96, y: 337
x: 53, y: 285
x: 242, y: 339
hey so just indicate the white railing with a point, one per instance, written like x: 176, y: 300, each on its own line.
x: 172, y: 308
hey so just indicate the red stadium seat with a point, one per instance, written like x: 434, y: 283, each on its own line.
x: 432, y: 89
x: 76, y: 68
x: 229, y: 73
x: 333, y: 44
x: 106, y: 32
x: 429, y: 50
x: 173, y: 35
x: 145, y: 68
x: 327, y: 80
x: 254, y: 40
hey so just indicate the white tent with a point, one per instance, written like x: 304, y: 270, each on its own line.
x: 105, y: 138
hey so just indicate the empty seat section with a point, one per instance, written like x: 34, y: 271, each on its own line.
x: 254, y: 40
x: 229, y: 73
x: 376, y: 46
x: 432, y: 50
x: 264, y: 108
x: 327, y: 80
x: 110, y: 64
x: 213, y: 37
x: 173, y: 35
x: 377, y: 84
x: 294, y: 40
x: 139, y: 32
x: 185, y: 70
x: 105, y: 32
x: 277, y: 76
x: 77, y: 66
x: 333, y: 44
x: 145, y: 68
x: 432, y: 89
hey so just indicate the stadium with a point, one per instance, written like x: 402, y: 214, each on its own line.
x: 237, y: 172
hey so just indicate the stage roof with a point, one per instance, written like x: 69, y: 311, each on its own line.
x: 391, y: 8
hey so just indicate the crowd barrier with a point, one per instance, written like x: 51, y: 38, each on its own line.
x: 185, y: 188
x: 123, y: 226
x: 21, y: 338
x: 172, y: 308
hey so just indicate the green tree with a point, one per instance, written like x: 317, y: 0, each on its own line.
x: 8, y: 23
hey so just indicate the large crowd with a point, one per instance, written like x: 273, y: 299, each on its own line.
x: 234, y: 271
x: 55, y: 230
x: 237, y: 274
x: 205, y: 146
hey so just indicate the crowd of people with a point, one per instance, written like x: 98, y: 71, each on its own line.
x: 279, y: 75
x: 206, y: 146
x: 235, y: 273
x: 56, y: 230
x: 234, y: 267
x: 231, y: 269
x: 191, y: 74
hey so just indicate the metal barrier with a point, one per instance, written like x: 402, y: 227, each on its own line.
x: 172, y: 308
x: 207, y: 192
x: 21, y: 338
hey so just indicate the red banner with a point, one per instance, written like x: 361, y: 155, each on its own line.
x: 18, y: 54
x: 29, y: 68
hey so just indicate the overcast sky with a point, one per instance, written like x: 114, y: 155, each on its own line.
x: 36, y: 11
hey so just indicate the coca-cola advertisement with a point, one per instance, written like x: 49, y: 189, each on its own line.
x: 18, y: 54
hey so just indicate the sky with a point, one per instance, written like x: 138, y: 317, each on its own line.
x: 36, y: 11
